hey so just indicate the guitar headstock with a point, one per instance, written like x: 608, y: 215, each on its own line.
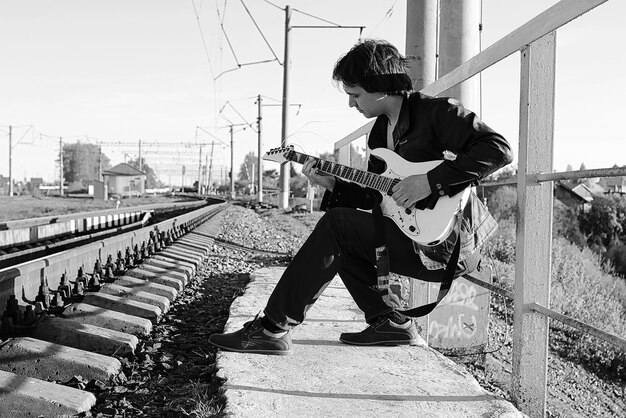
x: 278, y: 155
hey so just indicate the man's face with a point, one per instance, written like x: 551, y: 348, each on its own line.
x: 369, y: 104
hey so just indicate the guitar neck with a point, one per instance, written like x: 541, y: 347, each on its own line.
x: 361, y: 177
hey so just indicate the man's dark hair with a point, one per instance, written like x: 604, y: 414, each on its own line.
x: 375, y: 65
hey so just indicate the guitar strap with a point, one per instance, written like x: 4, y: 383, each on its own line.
x: 382, y: 268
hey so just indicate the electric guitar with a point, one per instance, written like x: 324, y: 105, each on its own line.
x: 426, y: 227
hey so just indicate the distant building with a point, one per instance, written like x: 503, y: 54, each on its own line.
x: 125, y: 181
x: 578, y: 197
x: 33, y: 185
x: 4, y: 185
x: 614, y: 184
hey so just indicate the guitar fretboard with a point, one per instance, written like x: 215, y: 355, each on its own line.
x: 364, y: 178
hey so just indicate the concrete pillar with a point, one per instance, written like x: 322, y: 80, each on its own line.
x: 421, y: 41
x: 421, y: 50
x: 459, y: 40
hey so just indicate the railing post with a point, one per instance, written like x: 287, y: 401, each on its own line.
x: 534, y: 227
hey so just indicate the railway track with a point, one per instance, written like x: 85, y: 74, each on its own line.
x: 75, y: 311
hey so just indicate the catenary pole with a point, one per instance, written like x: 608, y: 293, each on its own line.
x: 200, y: 171
x: 260, y: 163
x: 232, y: 163
x: 211, y: 168
x: 61, y: 166
x: 284, y: 169
x: 10, y: 161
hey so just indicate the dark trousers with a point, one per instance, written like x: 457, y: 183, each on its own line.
x: 342, y: 242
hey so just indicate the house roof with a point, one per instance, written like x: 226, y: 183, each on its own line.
x: 123, y: 169
x: 583, y: 191
x: 574, y: 193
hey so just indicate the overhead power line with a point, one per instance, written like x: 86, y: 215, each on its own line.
x: 206, y: 49
x: 275, y: 5
x: 316, y: 17
x: 260, y: 31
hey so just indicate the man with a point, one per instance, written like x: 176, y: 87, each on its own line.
x: 345, y: 241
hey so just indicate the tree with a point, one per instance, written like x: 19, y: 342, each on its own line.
x: 563, y: 226
x: 606, y: 220
x: 270, y: 179
x: 502, y: 202
x: 298, y: 185
x: 247, y: 170
x: 83, y: 162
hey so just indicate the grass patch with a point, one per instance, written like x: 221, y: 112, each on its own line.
x: 26, y: 207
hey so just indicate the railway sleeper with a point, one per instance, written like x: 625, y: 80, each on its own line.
x: 172, y: 257
x: 178, y: 252
x: 125, y: 305
x: 85, y: 313
x: 31, y: 397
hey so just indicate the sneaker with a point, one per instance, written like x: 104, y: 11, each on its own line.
x: 252, y: 338
x: 383, y: 332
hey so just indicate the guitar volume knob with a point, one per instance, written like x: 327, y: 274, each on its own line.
x: 407, y: 211
x: 412, y: 228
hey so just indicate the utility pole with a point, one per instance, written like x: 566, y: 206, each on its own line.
x: 260, y: 164
x: 232, y: 163
x: 61, y: 166
x: 10, y: 161
x: 140, y: 165
x: 200, y: 171
x: 284, y: 169
x: 211, y: 167
x: 205, y: 176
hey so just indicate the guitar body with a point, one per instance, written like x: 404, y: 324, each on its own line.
x: 429, y: 226
x: 426, y: 227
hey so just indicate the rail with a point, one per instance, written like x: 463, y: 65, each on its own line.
x: 26, y: 278
x: 34, y: 230
x: 536, y: 42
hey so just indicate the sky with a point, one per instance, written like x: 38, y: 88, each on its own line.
x: 174, y: 74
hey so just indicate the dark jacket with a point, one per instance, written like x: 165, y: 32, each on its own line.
x: 427, y: 127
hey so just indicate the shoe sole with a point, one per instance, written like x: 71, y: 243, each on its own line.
x: 392, y: 343
x: 269, y: 352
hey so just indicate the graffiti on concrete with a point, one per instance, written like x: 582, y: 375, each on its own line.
x: 461, y: 322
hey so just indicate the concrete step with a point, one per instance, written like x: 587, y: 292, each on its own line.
x: 324, y: 377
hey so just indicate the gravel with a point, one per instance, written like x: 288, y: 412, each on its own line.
x: 172, y: 373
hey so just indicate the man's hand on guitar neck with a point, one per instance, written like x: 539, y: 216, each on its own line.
x: 325, y: 180
x: 410, y: 190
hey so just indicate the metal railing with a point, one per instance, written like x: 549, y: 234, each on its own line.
x: 536, y: 42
